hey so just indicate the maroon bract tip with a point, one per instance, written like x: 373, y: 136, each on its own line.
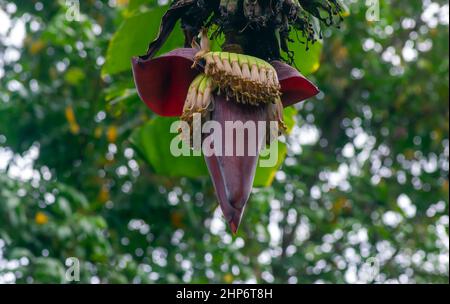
x: 163, y: 82
x: 233, y: 175
x: 294, y: 86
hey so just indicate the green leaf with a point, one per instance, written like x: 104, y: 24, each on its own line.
x: 62, y: 207
x: 77, y: 198
x: 152, y: 141
x: 306, y: 61
x: 265, y: 175
x: 19, y: 252
x: 74, y: 76
x: 48, y: 270
x: 132, y: 39
x: 289, y: 115
x: 136, y: 4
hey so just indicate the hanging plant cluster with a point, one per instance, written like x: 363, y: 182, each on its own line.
x: 246, y: 81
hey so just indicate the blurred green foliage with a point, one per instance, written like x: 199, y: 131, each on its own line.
x: 365, y: 176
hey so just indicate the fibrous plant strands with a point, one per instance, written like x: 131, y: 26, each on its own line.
x: 247, y: 16
x: 245, y: 78
x: 275, y: 113
x: 199, y: 97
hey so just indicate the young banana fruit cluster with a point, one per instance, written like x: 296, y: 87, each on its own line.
x: 243, y: 79
x: 199, y: 97
x: 246, y: 78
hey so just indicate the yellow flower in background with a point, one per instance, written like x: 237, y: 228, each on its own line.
x: 111, y: 134
x: 37, y: 46
x: 228, y: 278
x: 70, y: 115
x: 177, y: 219
x: 71, y: 119
x: 98, y: 132
x: 445, y: 186
x: 122, y: 2
x: 41, y: 218
x: 74, y: 128
x: 103, y: 195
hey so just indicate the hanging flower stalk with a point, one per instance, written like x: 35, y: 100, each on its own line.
x: 246, y: 81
